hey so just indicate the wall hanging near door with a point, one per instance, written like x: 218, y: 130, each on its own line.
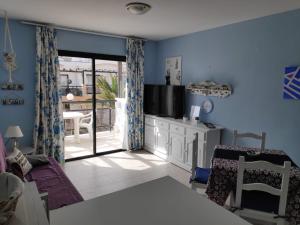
x: 9, y: 58
x: 12, y: 100
x: 173, y: 73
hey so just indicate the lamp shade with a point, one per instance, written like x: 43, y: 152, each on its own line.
x: 70, y: 97
x: 13, y: 132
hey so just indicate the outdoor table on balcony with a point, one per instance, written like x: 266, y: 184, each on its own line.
x: 75, y: 116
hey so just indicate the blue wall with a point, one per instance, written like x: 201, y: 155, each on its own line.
x: 24, y: 44
x: 250, y: 56
x: 22, y: 115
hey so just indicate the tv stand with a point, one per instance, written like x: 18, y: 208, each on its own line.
x: 172, y: 139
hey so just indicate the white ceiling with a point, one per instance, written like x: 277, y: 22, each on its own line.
x: 167, y: 18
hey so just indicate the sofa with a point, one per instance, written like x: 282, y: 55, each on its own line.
x: 49, y: 178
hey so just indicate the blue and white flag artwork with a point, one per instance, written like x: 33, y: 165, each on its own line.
x: 291, y: 83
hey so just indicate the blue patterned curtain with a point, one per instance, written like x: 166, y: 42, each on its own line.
x: 48, y: 130
x: 135, y: 93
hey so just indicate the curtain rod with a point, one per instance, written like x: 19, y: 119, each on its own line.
x: 80, y: 30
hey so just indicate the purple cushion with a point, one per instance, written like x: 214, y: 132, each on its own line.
x: 3, y: 165
x: 52, y: 179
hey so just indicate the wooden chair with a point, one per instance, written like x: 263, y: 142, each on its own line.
x: 200, y: 175
x: 284, y: 170
x: 261, y: 137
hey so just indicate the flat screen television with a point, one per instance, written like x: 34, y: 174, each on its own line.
x: 164, y: 100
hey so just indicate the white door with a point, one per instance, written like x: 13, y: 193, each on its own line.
x: 162, y: 141
x: 149, y: 137
x: 177, y: 148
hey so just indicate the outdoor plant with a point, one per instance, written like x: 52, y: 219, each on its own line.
x: 108, y: 91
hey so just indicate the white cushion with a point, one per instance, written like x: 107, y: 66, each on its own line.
x: 17, y: 157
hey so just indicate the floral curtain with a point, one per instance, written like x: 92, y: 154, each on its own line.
x: 48, y: 130
x: 135, y: 93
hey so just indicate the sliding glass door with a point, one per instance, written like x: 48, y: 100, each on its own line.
x: 110, y: 89
x: 93, y: 89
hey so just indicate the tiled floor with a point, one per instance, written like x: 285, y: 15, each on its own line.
x: 105, y: 174
x: 102, y: 175
x: 106, y: 141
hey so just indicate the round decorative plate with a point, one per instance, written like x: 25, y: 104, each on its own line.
x: 207, y: 106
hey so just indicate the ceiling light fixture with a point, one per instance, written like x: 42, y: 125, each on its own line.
x: 138, y: 8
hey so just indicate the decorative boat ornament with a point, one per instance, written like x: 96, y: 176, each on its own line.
x: 210, y: 88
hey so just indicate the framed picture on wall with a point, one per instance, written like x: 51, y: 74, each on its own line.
x: 291, y: 83
x: 173, y: 73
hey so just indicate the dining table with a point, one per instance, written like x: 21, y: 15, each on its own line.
x: 223, y: 179
x: 161, y: 201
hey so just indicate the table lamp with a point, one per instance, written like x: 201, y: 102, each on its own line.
x: 13, y: 132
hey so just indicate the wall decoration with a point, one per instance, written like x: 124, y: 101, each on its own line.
x: 12, y: 100
x: 291, y: 83
x: 207, y: 106
x: 173, y: 71
x: 9, y: 56
x: 210, y: 88
x: 11, y: 86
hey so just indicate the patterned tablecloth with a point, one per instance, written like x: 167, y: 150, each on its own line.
x: 224, y: 175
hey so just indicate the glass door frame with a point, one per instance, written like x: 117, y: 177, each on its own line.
x: 93, y: 57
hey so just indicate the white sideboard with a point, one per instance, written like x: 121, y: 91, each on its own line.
x: 172, y: 139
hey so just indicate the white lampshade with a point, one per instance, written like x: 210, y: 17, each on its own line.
x: 70, y: 97
x: 13, y: 132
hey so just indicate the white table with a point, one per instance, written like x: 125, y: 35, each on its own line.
x: 160, y: 202
x: 75, y: 116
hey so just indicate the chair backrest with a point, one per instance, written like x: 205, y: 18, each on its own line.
x: 261, y: 137
x: 90, y: 115
x: 87, y: 118
x: 263, y: 165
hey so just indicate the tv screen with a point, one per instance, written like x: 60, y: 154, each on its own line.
x: 164, y: 100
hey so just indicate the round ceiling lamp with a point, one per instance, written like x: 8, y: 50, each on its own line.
x: 138, y: 8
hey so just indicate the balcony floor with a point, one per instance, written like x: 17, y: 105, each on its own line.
x: 106, y: 141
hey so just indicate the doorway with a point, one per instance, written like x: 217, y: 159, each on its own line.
x: 93, y: 88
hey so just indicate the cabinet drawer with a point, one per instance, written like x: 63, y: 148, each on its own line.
x: 176, y: 129
x: 149, y: 121
x: 161, y: 124
x: 191, y: 132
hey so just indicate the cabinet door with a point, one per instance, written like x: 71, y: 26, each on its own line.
x: 189, y: 151
x: 162, y: 141
x: 189, y: 148
x: 149, y: 137
x: 177, y: 148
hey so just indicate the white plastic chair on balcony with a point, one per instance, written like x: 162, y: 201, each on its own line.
x: 86, y: 122
x: 284, y: 170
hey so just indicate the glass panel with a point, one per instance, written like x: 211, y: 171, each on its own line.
x: 110, y: 84
x: 76, y: 90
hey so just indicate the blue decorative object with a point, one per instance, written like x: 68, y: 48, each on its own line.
x: 202, y: 175
x: 291, y: 84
